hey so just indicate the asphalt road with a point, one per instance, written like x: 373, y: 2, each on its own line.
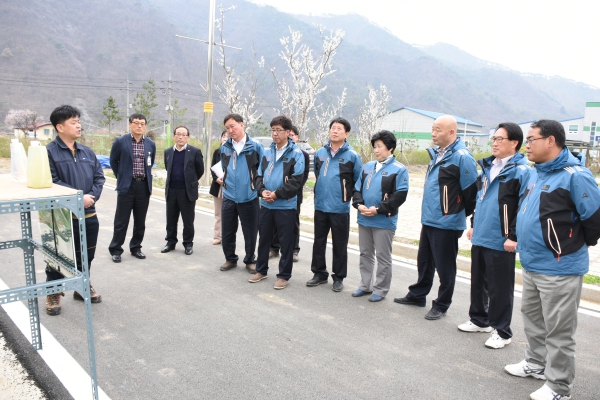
x: 174, y: 326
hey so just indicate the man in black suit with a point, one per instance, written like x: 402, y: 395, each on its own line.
x: 131, y: 159
x: 185, y: 166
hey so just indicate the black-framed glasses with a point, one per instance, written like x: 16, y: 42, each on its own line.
x: 529, y: 139
x: 498, y: 139
x: 277, y: 131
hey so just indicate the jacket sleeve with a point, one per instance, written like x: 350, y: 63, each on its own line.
x: 259, y: 182
x: 199, y: 163
x: 357, y: 167
x: 357, y: 198
x: 215, y: 160
x: 306, y: 168
x: 291, y: 185
x: 390, y: 205
x: 99, y: 180
x: 153, y: 147
x: 468, y: 178
x: 115, y: 157
x: 522, y: 187
x: 585, y: 194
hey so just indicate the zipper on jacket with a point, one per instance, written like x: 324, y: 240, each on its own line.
x: 326, y: 165
x: 559, y: 251
x: 506, y: 220
x: 527, y: 198
x: 234, y: 158
x: 445, y: 200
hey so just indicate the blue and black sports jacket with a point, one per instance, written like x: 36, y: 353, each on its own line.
x: 385, y: 189
x: 336, y: 177
x: 559, y: 218
x: 495, y: 216
x: 450, y: 189
x: 283, y: 176
x: 241, y: 170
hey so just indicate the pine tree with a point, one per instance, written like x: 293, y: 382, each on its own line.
x: 111, y: 113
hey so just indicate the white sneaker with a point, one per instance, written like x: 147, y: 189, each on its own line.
x: 525, y: 369
x: 471, y: 327
x: 545, y: 393
x: 496, y: 342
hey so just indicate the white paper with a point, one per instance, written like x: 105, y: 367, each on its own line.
x: 217, y: 169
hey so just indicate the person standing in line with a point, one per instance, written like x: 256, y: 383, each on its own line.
x: 378, y: 194
x: 240, y: 159
x: 275, y: 241
x: 502, y: 182
x: 185, y: 166
x: 558, y: 220
x: 448, y: 198
x: 216, y: 191
x: 337, y: 168
x: 279, y: 178
x: 75, y: 166
x: 131, y: 160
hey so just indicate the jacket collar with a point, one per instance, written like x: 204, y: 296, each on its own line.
x: 564, y: 159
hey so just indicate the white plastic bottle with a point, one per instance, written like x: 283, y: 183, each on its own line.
x: 38, y: 167
x: 18, y: 161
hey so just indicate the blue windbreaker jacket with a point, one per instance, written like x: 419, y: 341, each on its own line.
x: 559, y: 218
x: 385, y: 189
x: 336, y: 177
x: 495, y: 216
x: 283, y: 176
x: 240, y: 171
x: 450, y: 189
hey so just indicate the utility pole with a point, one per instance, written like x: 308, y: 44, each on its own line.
x: 170, y: 112
x: 127, y: 106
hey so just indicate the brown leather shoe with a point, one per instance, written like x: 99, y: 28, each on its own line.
x: 257, y: 277
x: 53, y: 303
x: 251, y: 268
x: 228, y: 265
x: 216, y: 242
x: 94, y: 296
x: 280, y: 284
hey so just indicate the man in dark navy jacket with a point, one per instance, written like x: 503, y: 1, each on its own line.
x: 131, y: 159
x: 74, y: 165
x: 185, y: 166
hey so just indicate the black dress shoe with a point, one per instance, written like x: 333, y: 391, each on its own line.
x: 116, y: 258
x: 434, y: 314
x: 138, y: 254
x: 408, y: 302
x: 189, y: 250
x: 316, y: 281
x: 168, y: 248
x: 337, y: 286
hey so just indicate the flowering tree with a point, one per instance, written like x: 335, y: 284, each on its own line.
x: 324, y: 115
x: 370, y: 118
x: 24, y: 120
x: 305, y: 73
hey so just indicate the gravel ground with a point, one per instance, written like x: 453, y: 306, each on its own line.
x: 15, y: 383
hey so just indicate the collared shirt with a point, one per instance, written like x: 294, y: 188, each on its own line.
x: 380, y: 165
x: 182, y: 149
x: 334, y: 152
x: 239, y: 146
x: 138, y: 157
x: 441, y: 153
x: 279, y: 152
x: 497, y: 166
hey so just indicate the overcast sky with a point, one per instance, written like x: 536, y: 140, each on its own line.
x: 545, y: 37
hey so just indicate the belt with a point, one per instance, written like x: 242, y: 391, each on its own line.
x: 143, y: 178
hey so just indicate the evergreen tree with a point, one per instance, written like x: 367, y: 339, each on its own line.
x: 144, y: 102
x: 111, y: 113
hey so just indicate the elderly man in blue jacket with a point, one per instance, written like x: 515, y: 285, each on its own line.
x: 75, y: 165
x: 558, y: 220
x: 279, y: 178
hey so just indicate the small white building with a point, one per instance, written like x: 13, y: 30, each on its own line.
x: 42, y: 131
x: 412, y: 127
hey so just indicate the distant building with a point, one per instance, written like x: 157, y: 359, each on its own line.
x: 42, y: 131
x: 412, y: 128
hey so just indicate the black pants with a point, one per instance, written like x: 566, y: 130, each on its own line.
x: 283, y: 221
x: 275, y: 246
x: 340, y: 231
x: 178, y: 203
x: 91, y: 232
x: 136, y: 200
x: 248, y: 216
x: 438, y: 249
x: 493, y: 280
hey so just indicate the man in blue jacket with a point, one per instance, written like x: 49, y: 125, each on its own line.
x: 337, y: 168
x: 448, y: 198
x: 558, y: 220
x: 131, y: 159
x: 279, y: 178
x: 240, y: 160
x: 76, y: 166
x: 502, y: 182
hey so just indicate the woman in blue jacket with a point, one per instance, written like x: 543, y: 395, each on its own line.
x: 379, y: 192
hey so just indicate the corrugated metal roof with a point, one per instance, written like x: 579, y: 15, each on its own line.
x: 434, y: 115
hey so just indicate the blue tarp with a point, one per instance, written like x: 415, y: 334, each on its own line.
x: 104, y: 161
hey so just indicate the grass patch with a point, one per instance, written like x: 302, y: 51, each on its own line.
x: 518, y: 264
x: 464, y: 253
x: 310, y: 184
x: 591, y: 279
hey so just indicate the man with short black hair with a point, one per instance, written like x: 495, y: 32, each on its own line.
x: 558, y: 220
x: 76, y: 166
x: 185, y: 166
x: 131, y: 159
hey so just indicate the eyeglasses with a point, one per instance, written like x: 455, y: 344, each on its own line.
x: 498, y: 139
x: 529, y: 140
x: 138, y: 123
x: 180, y: 134
x: 277, y: 131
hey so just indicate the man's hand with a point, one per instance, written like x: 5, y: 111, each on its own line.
x: 219, y: 181
x: 369, y: 212
x: 88, y: 200
x: 510, y: 246
x: 272, y: 196
x: 470, y: 233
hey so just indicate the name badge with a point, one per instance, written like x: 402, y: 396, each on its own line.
x: 149, y: 159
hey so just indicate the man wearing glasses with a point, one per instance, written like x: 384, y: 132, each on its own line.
x: 131, y: 159
x: 558, y: 220
x: 185, y: 166
x: 502, y: 182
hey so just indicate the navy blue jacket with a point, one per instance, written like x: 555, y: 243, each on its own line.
x: 240, y: 171
x: 336, y: 177
x: 193, y: 169
x: 385, y: 189
x: 283, y: 176
x: 82, y: 172
x: 559, y: 218
x: 450, y: 189
x: 495, y: 216
x: 121, y: 161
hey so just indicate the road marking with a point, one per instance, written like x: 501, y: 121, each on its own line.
x: 73, y: 377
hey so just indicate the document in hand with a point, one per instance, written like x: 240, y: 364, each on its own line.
x: 217, y: 169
